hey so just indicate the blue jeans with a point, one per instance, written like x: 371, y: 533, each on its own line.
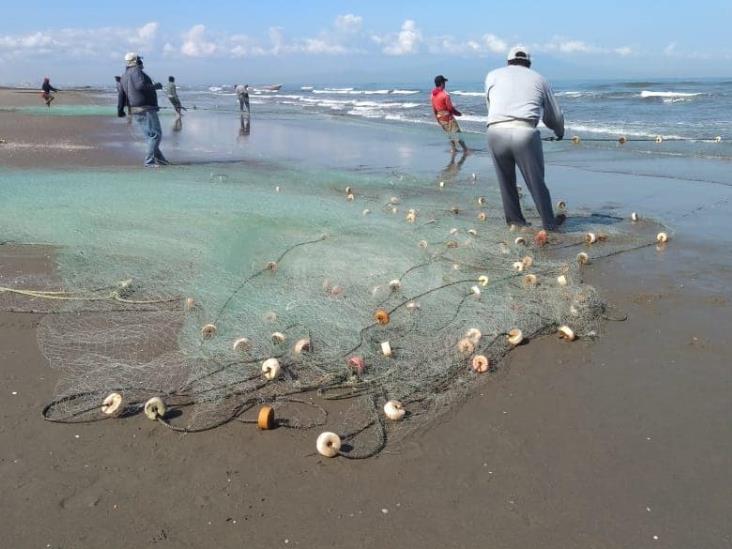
x: 149, y: 125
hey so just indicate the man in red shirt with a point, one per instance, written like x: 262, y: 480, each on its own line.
x: 445, y: 113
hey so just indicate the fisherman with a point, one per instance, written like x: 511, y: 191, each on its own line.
x: 445, y: 114
x: 139, y: 92
x: 242, y: 93
x: 48, y: 89
x: 172, y: 92
x: 517, y: 97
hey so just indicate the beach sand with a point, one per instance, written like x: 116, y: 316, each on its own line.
x: 622, y: 441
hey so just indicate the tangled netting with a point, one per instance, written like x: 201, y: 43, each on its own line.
x: 363, y: 288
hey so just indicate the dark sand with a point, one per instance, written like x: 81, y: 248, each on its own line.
x: 595, y: 444
x: 34, y: 141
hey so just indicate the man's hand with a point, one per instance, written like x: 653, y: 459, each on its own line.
x: 456, y: 112
x: 158, y: 86
x: 559, y: 137
x: 121, y: 114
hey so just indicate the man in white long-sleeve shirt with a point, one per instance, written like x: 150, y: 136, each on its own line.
x: 517, y: 98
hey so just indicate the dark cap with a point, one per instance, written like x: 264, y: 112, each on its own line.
x: 440, y: 80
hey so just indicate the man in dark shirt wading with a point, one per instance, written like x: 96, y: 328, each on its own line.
x: 138, y: 91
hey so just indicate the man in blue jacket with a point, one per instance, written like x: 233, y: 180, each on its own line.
x: 138, y: 92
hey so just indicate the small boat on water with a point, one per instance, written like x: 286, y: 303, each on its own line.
x: 268, y: 88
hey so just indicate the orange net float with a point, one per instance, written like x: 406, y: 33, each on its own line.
x: 266, y: 418
x: 382, y: 317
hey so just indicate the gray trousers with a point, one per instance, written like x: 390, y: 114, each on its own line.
x: 511, y: 147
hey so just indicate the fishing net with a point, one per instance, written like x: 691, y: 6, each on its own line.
x: 185, y: 284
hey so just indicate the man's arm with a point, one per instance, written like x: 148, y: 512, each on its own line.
x: 139, y: 81
x: 121, y: 102
x: 553, y: 117
x: 450, y: 107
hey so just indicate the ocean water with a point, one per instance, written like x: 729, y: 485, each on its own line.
x: 688, y: 114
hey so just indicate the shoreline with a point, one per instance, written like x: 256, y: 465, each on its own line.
x: 599, y: 443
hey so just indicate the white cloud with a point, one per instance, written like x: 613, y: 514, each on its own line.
x: 579, y: 47
x: 195, y: 43
x: 406, y: 42
x: 348, y: 22
x: 487, y: 44
x: 624, y: 51
x: 494, y: 44
x: 670, y: 49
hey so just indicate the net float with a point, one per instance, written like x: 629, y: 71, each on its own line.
x: 583, y: 258
x: 266, y: 418
x: 395, y: 284
x: 474, y: 335
x: 270, y: 316
x: 483, y: 280
x: 518, y: 266
x: 503, y: 248
x: 394, y: 200
x: 454, y: 231
x: 357, y: 364
x: 155, y: 408
x: 530, y: 280
x: 452, y: 244
x: 366, y: 212
x: 561, y: 205
x: 473, y: 176
x: 576, y: 140
x: 566, y: 333
x: 328, y: 444
x: 412, y: 210
x: 208, y: 331
x: 659, y: 139
x: 278, y: 337
x: 520, y: 241
x: 662, y: 237
x: 442, y: 184
x: 271, y: 368
x: 394, y: 410
x: 302, y: 346
x: 515, y: 336
x: 541, y: 238
x: 590, y: 238
x: 382, y: 317
x: 277, y: 189
x: 718, y: 139
x: 335, y: 291
x: 411, y: 217
x: 562, y: 280
x: 190, y: 303
x: 394, y: 210
x: 482, y: 216
x: 242, y: 345
x: 348, y: 190
x: 475, y: 291
x: 512, y: 228
x: 422, y: 244
x: 472, y: 232
x: 573, y: 310
x: 112, y: 404
x: 634, y: 216
x: 528, y: 261
x: 455, y: 266
x: 481, y: 200
x: 386, y: 348
x: 622, y: 140
x: 480, y: 364
x: 350, y: 197
x: 413, y: 306
x: 271, y: 266
x: 465, y: 346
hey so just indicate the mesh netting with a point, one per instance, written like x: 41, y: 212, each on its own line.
x: 363, y: 288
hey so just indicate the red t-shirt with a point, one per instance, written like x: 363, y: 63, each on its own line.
x: 441, y: 102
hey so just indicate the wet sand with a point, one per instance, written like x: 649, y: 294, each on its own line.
x: 622, y: 441
x: 30, y: 141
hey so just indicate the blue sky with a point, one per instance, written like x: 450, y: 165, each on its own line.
x: 82, y: 42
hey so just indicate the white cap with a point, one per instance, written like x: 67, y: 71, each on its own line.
x: 131, y: 58
x: 518, y: 52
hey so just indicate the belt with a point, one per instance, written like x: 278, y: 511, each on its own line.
x: 514, y: 123
x: 142, y: 110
